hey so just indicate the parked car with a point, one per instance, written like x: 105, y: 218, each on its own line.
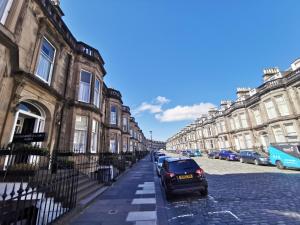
x: 213, y: 154
x: 159, y: 164
x: 198, y: 153
x: 157, y: 155
x: 285, y: 156
x: 190, y: 153
x: 184, y: 152
x: 228, y: 155
x: 249, y: 156
x: 179, y: 175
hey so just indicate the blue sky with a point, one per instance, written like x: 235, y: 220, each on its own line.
x: 174, y: 59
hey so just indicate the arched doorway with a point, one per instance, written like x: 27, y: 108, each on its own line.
x: 30, y: 118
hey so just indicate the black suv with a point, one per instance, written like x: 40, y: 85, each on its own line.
x: 182, y: 175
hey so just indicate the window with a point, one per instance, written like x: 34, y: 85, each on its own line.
x: 271, y: 111
x: 244, y: 120
x: 94, y: 138
x: 279, y: 137
x: 113, y: 115
x: 237, y: 122
x: 237, y: 144
x: 125, y: 145
x: 80, y: 135
x: 125, y: 124
x: 85, y: 86
x: 46, y: 60
x: 292, y: 135
x: 248, y: 140
x: 131, y: 146
x: 282, y: 106
x: 242, y: 142
x: 231, y: 124
x: 97, y: 93
x: 257, y: 116
x: 223, y: 126
x: 112, y: 145
x: 131, y: 132
x: 4, y: 9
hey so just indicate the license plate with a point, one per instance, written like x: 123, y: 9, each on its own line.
x: 183, y: 177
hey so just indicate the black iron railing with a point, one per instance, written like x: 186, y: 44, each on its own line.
x: 39, y: 188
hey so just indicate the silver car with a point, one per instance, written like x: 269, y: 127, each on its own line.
x: 159, y: 163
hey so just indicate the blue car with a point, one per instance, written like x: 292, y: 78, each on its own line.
x: 229, y: 155
x: 285, y: 156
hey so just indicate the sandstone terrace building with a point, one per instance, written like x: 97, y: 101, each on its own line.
x: 52, y: 83
x: 260, y: 116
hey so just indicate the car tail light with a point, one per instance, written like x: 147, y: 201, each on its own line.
x: 170, y: 175
x: 200, y: 172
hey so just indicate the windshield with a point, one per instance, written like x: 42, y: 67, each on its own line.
x: 161, y: 159
x: 183, y: 166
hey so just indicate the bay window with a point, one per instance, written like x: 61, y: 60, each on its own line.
x: 4, y: 9
x: 241, y: 141
x: 97, y: 93
x: 113, y: 144
x: 248, y: 141
x: 80, y: 134
x: 94, y: 136
x: 113, y: 115
x: 231, y: 124
x: 279, y: 136
x: 244, y: 120
x: 85, y: 86
x: 257, y: 116
x: 291, y: 133
x: 45, y: 61
x: 125, y: 124
x: 282, y: 105
x: 271, y: 111
x: 237, y: 122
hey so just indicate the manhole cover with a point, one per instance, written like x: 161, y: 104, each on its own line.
x: 111, y: 212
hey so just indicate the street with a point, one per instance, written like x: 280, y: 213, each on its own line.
x: 238, y: 194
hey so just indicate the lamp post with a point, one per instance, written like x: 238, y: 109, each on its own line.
x: 151, y: 151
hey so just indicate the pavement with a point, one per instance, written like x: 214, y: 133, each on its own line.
x: 130, y: 200
x: 238, y: 194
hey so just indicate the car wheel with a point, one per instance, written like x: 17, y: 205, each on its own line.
x: 241, y: 160
x: 204, y: 192
x: 279, y: 165
x: 256, y: 162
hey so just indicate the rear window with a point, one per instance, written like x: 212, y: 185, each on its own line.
x: 182, y: 166
x: 160, y: 160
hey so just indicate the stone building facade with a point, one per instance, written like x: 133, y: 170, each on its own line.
x: 54, y: 84
x: 259, y: 117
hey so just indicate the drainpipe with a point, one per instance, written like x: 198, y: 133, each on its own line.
x: 70, y: 59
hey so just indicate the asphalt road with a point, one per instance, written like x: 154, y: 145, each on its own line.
x: 238, y: 194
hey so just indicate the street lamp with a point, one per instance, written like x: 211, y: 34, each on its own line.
x: 150, y: 139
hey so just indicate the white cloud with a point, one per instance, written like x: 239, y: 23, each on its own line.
x: 147, y: 107
x: 154, y: 107
x: 181, y: 113
x: 162, y: 100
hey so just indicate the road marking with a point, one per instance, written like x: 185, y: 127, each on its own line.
x: 219, y: 212
x: 181, y: 216
x: 141, y: 216
x: 145, y: 192
x: 137, y: 201
x: 212, y: 198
